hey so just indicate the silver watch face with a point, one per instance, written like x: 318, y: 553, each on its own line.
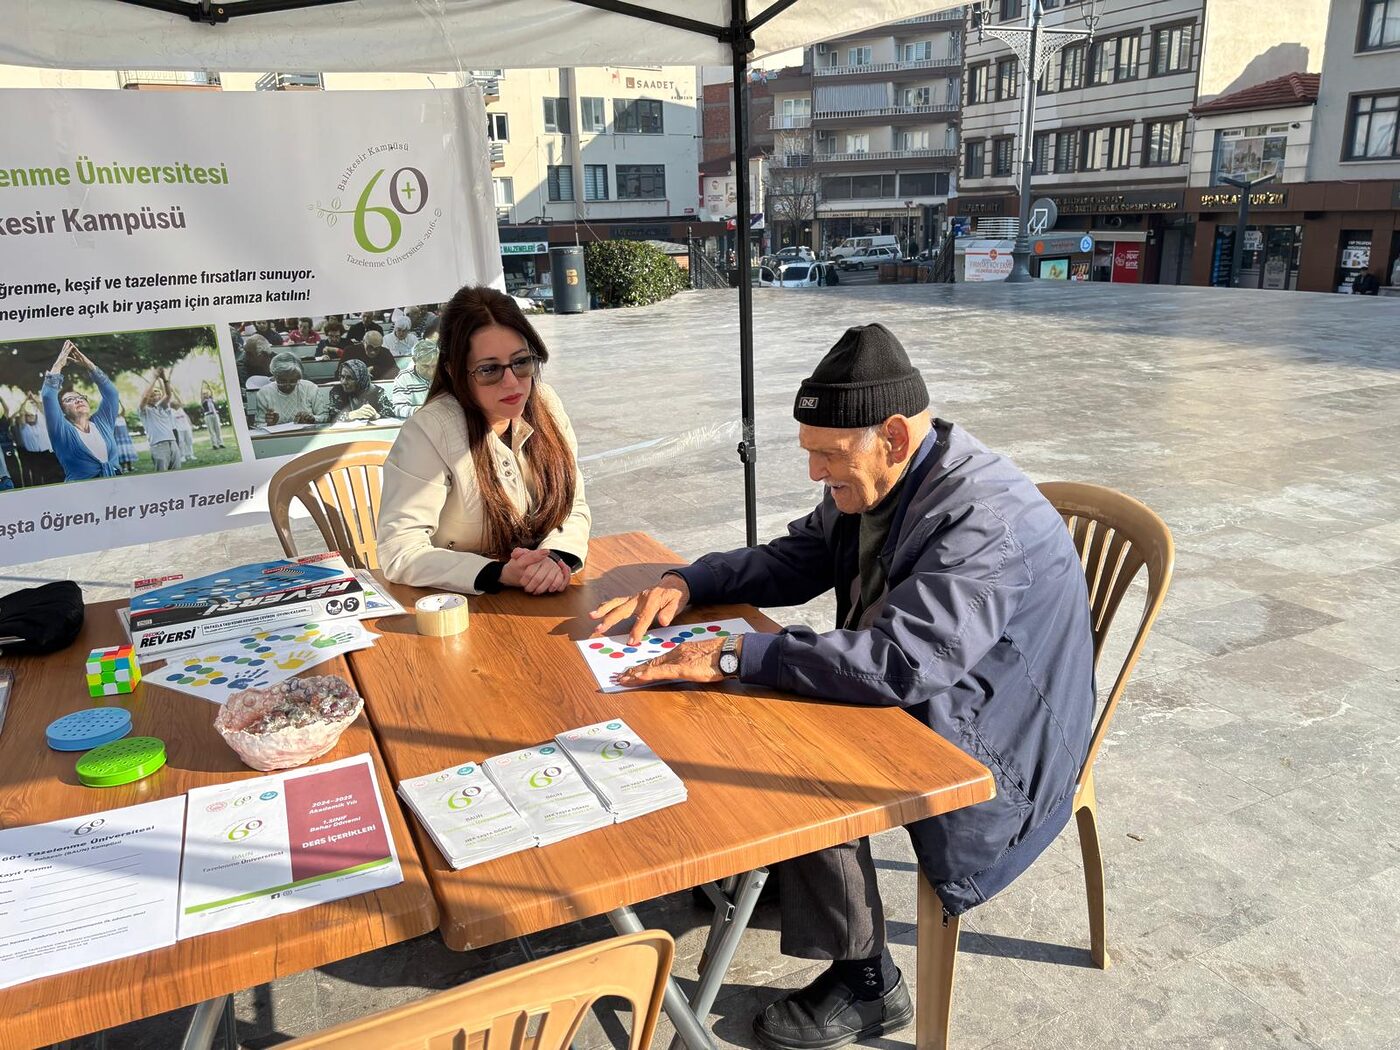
x: 729, y: 663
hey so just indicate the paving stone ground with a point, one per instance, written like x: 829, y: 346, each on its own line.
x: 1247, y: 789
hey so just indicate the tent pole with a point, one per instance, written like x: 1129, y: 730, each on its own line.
x: 742, y: 44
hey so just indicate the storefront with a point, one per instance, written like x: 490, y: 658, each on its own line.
x: 525, y: 249
x: 920, y: 226
x: 1309, y: 236
x: 525, y: 263
x: 1139, y: 235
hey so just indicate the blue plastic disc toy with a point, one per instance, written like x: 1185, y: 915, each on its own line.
x: 84, y: 730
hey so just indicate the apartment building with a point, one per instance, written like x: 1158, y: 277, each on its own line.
x: 865, y: 134
x: 1112, y: 141
x: 592, y: 154
x: 1333, y: 210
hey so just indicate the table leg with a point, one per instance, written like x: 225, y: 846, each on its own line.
x: 204, y: 1024
x: 230, y: 1025
x: 688, y: 1028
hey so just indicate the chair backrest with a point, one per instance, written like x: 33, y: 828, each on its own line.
x: 1116, y: 537
x: 540, y: 1005
x: 339, y: 486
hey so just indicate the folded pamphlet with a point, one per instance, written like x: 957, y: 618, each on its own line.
x: 617, y: 764
x: 548, y: 791
x: 465, y: 814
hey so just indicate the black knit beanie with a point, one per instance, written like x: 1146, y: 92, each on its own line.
x: 862, y: 381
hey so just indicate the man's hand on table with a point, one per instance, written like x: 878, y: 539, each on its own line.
x: 687, y: 662
x: 659, y: 604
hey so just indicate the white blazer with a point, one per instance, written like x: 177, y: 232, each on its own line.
x: 431, y: 522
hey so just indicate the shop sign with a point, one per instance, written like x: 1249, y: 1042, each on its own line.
x: 640, y: 84
x: 1127, y: 264
x: 1135, y: 202
x: 721, y: 195
x: 1219, y: 200
x: 1062, y: 243
x: 990, y: 264
x: 525, y: 248
x: 1356, y: 255
x: 996, y: 206
x: 1253, y: 240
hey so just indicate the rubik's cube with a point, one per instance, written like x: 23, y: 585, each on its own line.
x: 111, y: 671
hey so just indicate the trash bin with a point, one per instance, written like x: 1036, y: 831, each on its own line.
x: 570, y: 281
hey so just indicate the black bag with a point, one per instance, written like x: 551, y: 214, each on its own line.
x: 41, y: 619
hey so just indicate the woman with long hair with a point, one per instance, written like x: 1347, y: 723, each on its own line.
x: 482, y: 488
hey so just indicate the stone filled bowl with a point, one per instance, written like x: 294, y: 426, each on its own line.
x: 290, y: 723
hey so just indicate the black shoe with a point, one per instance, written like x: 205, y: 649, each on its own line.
x: 826, y: 1014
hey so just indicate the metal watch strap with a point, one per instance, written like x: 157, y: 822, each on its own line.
x: 730, y: 647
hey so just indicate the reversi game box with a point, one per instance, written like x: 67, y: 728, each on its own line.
x: 171, y: 612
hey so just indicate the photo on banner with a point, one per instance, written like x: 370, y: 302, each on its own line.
x: 138, y: 230
x: 308, y: 382
x: 112, y: 404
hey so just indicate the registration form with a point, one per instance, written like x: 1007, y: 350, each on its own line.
x: 90, y: 889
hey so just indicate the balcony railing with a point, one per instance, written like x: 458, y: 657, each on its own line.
x: 885, y: 111
x: 952, y: 14
x: 139, y: 77
x: 791, y: 160
x: 498, y: 154
x: 289, y: 81
x: 785, y: 123
x: 888, y: 67
x: 888, y: 154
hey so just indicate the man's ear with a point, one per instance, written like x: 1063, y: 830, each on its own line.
x: 897, y: 433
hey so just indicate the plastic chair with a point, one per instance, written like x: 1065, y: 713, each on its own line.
x: 540, y: 1005
x: 1116, y: 537
x: 339, y: 486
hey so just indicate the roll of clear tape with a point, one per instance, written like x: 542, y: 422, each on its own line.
x: 441, y: 615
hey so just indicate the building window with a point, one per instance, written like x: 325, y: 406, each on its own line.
x: 1040, y: 153
x: 1163, y: 142
x: 1114, y: 60
x: 1006, y: 79
x: 837, y: 189
x: 920, y: 51
x: 1002, y: 152
x: 872, y: 187
x: 1120, y: 147
x: 1171, y: 49
x: 505, y: 192
x: 911, y: 140
x: 1127, y: 64
x: 858, y: 143
x: 1010, y: 9
x: 561, y: 182
x: 923, y: 184
x: 974, y: 161
x: 858, y: 56
x: 1072, y: 67
x: 1066, y: 151
x: 591, y: 114
x: 498, y: 127
x: 556, y: 115
x: 916, y: 96
x: 1372, y: 127
x: 640, y: 182
x: 977, y: 83
x: 595, y: 182
x: 1091, y: 143
x: 797, y: 112
x: 637, y: 116
x: 1380, y: 25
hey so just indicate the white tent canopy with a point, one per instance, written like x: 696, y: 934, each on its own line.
x: 430, y: 36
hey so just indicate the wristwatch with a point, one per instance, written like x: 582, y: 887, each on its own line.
x: 729, y: 657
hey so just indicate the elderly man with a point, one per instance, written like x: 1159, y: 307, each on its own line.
x: 288, y: 398
x: 411, y: 387
x: 959, y: 597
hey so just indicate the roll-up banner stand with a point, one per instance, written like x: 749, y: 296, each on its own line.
x: 196, y: 286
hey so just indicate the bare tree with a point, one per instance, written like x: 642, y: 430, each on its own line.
x: 792, y: 182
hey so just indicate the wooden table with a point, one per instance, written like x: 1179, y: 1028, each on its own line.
x: 37, y: 785
x: 770, y: 776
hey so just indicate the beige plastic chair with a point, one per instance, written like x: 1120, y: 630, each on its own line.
x: 1116, y: 537
x: 538, y: 1006
x: 339, y: 486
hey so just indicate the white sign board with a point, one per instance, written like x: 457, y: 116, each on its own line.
x: 721, y: 196
x: 987, y: 261
x: 181, y: 243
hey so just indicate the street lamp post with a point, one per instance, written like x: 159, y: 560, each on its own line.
x: 1246, y: 188
x: 1035, y: 46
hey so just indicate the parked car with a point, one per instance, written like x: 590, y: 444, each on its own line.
x: 798, y: 275
x: 795, y: 253
x: 864, y: 257
x: 848, y: 248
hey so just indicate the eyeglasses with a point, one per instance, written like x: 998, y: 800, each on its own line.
x: 493, y: 372
x: 73, y: 399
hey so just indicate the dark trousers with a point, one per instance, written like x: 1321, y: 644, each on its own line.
x: 831, y: 907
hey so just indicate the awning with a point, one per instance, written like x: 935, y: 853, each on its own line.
x: 412, y: 36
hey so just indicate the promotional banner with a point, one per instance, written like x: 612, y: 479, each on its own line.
x: 196, y: 286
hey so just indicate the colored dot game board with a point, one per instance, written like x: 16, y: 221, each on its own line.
x: 607, y: 656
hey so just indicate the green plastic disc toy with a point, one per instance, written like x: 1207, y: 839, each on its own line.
x: 121, y: 761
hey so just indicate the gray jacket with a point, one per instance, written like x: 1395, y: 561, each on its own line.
x: 982, y: 633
